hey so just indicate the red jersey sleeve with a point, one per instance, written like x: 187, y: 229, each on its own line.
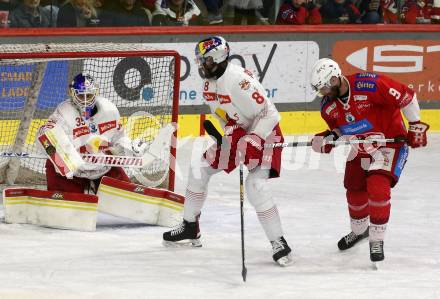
x: 329, y: 112
x: 393, y: 93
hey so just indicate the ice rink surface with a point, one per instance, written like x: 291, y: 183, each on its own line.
x: 126, y: 260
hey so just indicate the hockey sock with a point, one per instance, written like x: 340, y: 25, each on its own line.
x: 377, y: 232
x: 357, y: 204
x: 271, y: 223
x: 359, y: 226
x: 193, y: 205
x: 259, y: 196
x: 379, y: 193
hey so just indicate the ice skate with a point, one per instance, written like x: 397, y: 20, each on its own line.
x: 351, y: 239
x: 376, y: 253
x: 187, y: 234
x: 281, y: 252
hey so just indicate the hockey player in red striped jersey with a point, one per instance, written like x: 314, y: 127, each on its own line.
x: 366, y: 105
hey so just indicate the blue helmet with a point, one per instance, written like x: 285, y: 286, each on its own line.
x: 83, y: 91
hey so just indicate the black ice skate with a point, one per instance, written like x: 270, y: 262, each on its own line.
x: 351, y: 239
x: 376, y: 251
x: 281, y: 252
x: 186, y: 234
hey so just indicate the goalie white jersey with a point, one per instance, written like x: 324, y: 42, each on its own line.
x: 93, y: 136
x: 242, y: 98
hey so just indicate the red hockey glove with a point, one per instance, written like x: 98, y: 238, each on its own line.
x: 320, y: 141
x: 251, y: 147
x: 224, y: 156
x: 417, y: 134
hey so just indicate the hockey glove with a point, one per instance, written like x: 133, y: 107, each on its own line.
x: 223, y: 155
x: 251, y: 147
x: 417, y: 134
x: 320, y: 142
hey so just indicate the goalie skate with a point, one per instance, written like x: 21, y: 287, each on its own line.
x: 187, y: 234
x: 281, y: 252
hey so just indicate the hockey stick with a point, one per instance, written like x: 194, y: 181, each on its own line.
x: 159, y: 144
x: 103, y: 160
x: 337, y: 142
x: 243, y: 266
x: 214, y: 133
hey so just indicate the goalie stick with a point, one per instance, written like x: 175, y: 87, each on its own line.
x: 158, y: 146
x: 104, y: 160
x: 214, y: 133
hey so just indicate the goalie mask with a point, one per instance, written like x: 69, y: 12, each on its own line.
x: 209, y: 53
x: 83, y: 91
x: 322, y: 72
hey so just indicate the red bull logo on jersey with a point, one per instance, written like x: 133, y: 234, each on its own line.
x: 209, y: 96
x: 81, y: 131
x: 365, y: 85
x: 104, y: 127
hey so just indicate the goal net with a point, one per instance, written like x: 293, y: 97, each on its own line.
x: 34, y: 78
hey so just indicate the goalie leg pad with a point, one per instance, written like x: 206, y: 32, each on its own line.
x: 136, y: 202
x: 55, y: 209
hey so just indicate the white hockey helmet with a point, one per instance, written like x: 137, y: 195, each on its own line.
x: 215, y: 47
x: 322, y: 71
x: 83, y: 91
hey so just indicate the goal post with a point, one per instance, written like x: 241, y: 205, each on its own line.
x: 34, y: 78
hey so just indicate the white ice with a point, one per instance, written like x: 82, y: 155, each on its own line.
x: 126, y: 260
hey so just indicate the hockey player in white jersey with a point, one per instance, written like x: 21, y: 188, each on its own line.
x: 92, y: 125
x: 250, y: 120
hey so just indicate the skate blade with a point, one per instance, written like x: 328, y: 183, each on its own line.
x: 376, y: 265
x: 285, y: 261
x: 182, y: 244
